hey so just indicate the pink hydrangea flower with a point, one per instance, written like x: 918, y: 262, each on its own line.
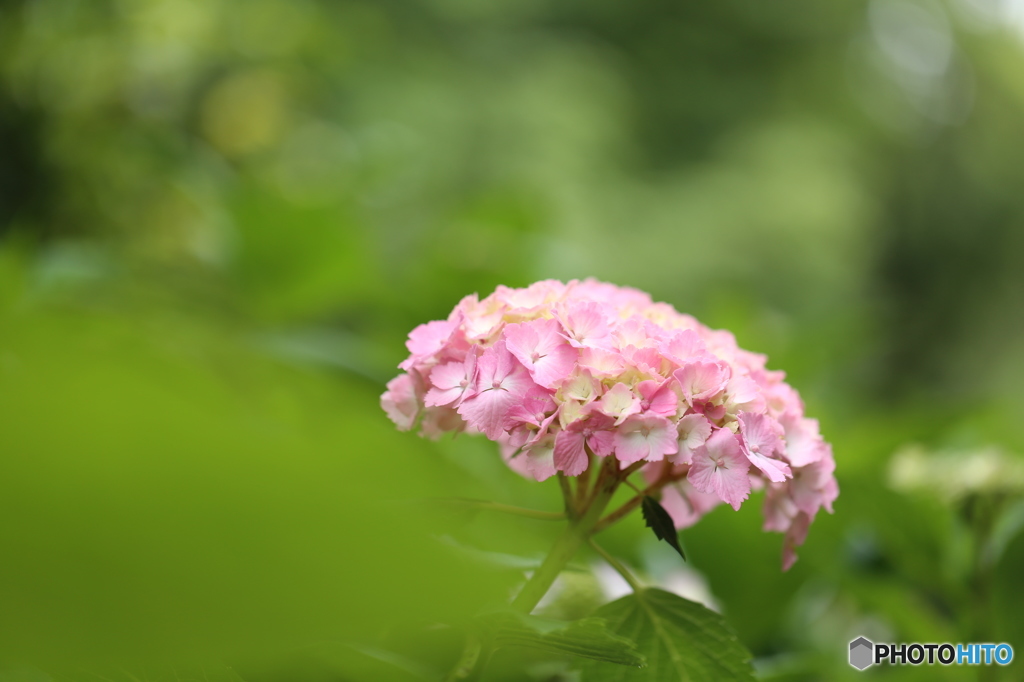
x: 562, y: 373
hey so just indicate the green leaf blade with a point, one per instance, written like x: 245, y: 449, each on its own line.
x: 659, y: 520
x: 589, y: 638
x: 682, y: 641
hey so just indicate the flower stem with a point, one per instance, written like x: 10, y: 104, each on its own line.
x: 468, y: 661
x: 583, y: 513
x: 568, y: 543
x: 570, y: 505
x: 583, y: 480
x: 522, y: 511
x: 633, y: 503
x: 617, y: 565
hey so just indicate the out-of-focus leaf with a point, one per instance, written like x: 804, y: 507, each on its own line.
x: 1009, y: 523
x: 681, y: 640
x: 24, y: 675
x: 587, y: 638
x: 494, y: 560
x: 169, y: 494
x: 661, y: 523
x: 148, y: 673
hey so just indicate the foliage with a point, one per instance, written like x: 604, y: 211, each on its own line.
x: 681, y: 640
x: 218, y: 221
x: 658, y: 520
x: 586, y: 638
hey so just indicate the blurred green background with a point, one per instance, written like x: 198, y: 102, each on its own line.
x: 219, y: 220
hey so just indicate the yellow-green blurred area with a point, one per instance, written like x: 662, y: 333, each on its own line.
x: 219, y: 220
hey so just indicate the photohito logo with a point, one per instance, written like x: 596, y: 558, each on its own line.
x: 860, y: 653
x: 864, y: 652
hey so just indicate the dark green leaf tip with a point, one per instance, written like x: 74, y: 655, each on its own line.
x: 660, y: 522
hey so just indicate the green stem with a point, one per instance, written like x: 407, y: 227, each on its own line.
x: 522, y: 511
x: 982, y: 514
x: 468, y: 661
x: 618, y: 566
x: 583, y: 480
x: 568, y: 543
x: 570, y: 506
x: 615, y: 516
x: 582, y: 520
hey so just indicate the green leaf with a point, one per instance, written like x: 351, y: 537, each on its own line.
x: 681, y: 640
x: 587, y: 638
x: 660, y: 522
x: 1008, y: 524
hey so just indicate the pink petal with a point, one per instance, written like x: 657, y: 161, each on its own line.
x: 554, y: 368
x: 440, y: 420
x: 694, y: 430
x: 539, y: 346
x: 400, y: 402
x: 528, y: 420
x: 813, y: 486
x: 647, y: 360
x: 743, y: 394
x: 632, y: 332
x: 595, y: 428
x: 775, y: 470
x: 528, y: 299
x: 449, y: 381
x: 540, y: 462
x: 761, y: 438
x: 647, y: 437
x: 501, y: 382
x: 437, y: 397
x: 429, y: 338
x: 778, y: 509
x: 535, y: 407
x: 448, y: 375
x: 582, y: 386
x: 486, y: 410
x: 685, y: 504
x: 536, y: 462
x: 683, y: 347
x: 658, y: 397
x: 602, y: 443
x: 760, y: 433
x: 587, y: 327
x: 803, y: 444
x: 570, y: 455
x: 480, y: 319
x: 701, y: 380
x: 602, y: 363
x: 719, y: 467
x: 795, y: 537
x: 619, y: 402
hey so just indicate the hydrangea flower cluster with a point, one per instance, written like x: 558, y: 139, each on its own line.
x: 563, y: 374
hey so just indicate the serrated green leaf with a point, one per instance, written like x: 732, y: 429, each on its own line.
x: 588, y: 638
x: 661, y: 523
x: 681, y: 640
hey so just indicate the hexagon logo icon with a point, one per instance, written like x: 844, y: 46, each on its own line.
x: 861, y: 653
